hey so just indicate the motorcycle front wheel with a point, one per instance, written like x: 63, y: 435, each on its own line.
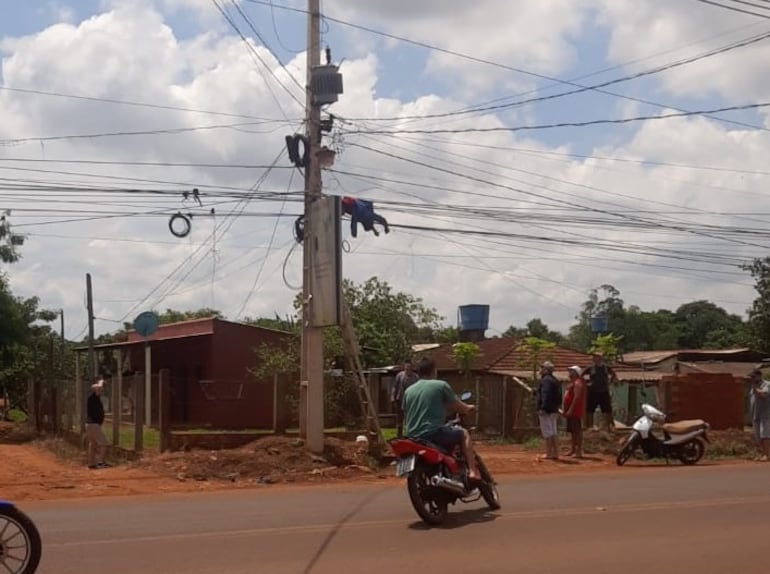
x: 431, y: 506
x: 627, y: 451
x: 692, y: 451
x: 20, y: 544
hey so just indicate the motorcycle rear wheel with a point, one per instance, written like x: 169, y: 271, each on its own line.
x: 692, y: 451
x: 432, y: 509
x: 488, y: 488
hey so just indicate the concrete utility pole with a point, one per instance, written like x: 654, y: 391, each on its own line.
x: 312, y: 336
x: 91, y: 367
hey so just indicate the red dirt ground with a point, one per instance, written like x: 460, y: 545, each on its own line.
x: 31, y: 471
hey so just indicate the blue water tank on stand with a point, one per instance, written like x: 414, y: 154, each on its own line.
x: 599, y: 323
x: 473, y: 320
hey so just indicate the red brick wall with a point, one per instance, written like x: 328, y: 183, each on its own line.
x: 716, y: 398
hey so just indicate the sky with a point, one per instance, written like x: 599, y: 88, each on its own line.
x: 524, y: 152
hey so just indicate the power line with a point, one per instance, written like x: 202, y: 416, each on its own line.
x: 143, y: 163
x: 733, y: 8
x: 138, y: 104
x: 565, y: 124
x: 171, y: 131
x: 580, y: 87
x: 598, y: 87
x: 255, y: 54
x: 745, y: 3
x: 267, y: 253
x: 533, y: 194
x: 277, y: 35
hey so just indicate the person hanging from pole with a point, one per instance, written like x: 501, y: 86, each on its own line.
x: 361, y: 210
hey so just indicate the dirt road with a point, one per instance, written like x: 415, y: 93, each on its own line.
x: 709, y: 520
x: 31, y: 473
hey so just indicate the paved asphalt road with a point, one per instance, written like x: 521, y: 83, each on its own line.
x: 677, y: 520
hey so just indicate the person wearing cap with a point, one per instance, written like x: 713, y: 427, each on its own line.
x: 548, y: 404
x: 760, y: 413
x: 97, y: 442
x: 574, y: 408
x: 600, y: 375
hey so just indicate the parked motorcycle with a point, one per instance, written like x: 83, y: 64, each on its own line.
x: 683, y: 440
x: 436, y: 478
x: 20, y: 544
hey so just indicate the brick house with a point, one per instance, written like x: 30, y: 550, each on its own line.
x: 208, y: 364
x: 704, y: 383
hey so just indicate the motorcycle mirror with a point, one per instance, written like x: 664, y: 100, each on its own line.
x: 465, y: 396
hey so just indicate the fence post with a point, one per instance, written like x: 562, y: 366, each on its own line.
x: 164, y: 410
x: 117, y: 401
x: 504, y: 407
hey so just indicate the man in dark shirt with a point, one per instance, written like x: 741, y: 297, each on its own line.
x: 97, y: 442
x: 403, y: 380
x: 599, y: 376
x: 548, y: 403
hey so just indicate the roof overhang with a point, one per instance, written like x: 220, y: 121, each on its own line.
x: 124, y: 344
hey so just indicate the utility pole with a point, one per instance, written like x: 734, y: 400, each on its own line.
x: 91, y: 366
x: 62, y: 345
x: 312, y: 336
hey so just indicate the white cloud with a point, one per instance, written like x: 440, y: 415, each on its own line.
x: 532, y: 36
x: 669, y: 28
x: 132, y: 53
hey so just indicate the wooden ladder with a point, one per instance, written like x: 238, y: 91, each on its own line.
x: 362, y: 386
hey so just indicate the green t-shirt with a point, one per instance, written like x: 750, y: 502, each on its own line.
x: 425, y: 406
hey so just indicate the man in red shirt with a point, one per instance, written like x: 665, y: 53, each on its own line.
x: 574, y: 408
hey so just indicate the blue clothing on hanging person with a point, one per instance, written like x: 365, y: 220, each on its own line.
x: 362, y: 211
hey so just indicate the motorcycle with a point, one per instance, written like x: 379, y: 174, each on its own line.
x: 683, y: 440
x: 436, y: 478
x: 20, y: 544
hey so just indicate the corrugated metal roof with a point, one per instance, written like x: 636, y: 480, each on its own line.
x: 639, y: 357
x: 121, y: 344
x: 736, y: 369
x: 623, y: 376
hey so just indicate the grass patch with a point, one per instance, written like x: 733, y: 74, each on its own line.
x: 533, y: 443
x: 16, y: 416
x: 151, y: 437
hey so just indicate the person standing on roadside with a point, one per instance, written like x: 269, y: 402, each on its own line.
x: 404, y: 379
x: 760, y: 413
x: 548, y: 404
x: 573, y: 410
x: 599, y: 375
x: 97, y: 442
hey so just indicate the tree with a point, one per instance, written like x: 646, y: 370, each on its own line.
x: 700, y: 322
x: 535, y: 351
x: 759, y: 312
x: 611, y: 306
x: 387, y: 322
x: 608, y: 345
x: 535, y: 328
x: 464, y: 354
x: 24, y: 343
x: 9, y: 241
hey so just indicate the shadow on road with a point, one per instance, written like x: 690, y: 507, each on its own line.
x: 459, y: 519
x: 335, y: 530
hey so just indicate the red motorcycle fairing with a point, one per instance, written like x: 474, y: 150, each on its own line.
x: 403, y: 446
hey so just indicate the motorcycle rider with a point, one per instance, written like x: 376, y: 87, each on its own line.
x: 426, y: 406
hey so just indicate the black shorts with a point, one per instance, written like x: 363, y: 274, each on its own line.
x: 574, y: 425
x: 601, y: 400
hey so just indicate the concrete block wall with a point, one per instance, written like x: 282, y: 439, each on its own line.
x: 716, y: 398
